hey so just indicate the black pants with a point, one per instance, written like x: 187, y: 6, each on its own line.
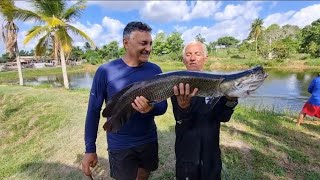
x: 124, y: 163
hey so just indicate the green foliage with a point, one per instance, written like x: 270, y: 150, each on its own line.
x: 159, y: 46
x: 4, y: 58
x: 93, y: 57
x: 121, y: 52
x: 25, y: 53
x: 87, y: 46
x: 110, y: 51
x: 175, y: 42
x: 211, y: 47
x: 76, y: 53
x: 311, y: 39
x: 228, y: 41
x: 246, y: 46
x: 200, y: 38
x: 280, y: 49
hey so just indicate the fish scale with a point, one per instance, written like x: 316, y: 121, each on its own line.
x: 118, y: 110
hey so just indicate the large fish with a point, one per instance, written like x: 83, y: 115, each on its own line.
x: 160, y: 87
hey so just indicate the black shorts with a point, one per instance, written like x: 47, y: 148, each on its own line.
x: 124, y: 163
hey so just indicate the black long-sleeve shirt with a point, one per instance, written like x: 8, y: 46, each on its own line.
x: 197, y: 129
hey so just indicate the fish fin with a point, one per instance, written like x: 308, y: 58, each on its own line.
x: 113, y: 101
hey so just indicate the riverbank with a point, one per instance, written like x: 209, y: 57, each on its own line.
x: 214, y: 63
x: 42, y: 131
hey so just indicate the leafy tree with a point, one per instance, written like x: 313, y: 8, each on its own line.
x: 211, y: 46
x: 227, y: 41
x: 200, y: 38
x: 121, y: 51
x: 280, y: 49
x: 311, y: 39
x: 87, y: 46
x: 256, y: 29
x: 175, y: 44
x: 10, y: 33
x: 4, y: 57
x: 110, y: 51
x: 54, y: 17
x: 159, y: 44
x: 76, y: 53
x: 93, y: 57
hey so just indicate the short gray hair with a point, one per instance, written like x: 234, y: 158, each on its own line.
x: 204, y: 47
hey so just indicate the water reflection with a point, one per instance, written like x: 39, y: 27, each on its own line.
x: 281, y: 91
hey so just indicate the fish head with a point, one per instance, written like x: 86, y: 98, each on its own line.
x: 244, y: 83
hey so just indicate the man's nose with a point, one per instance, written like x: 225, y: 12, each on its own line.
x: 148, y: 48
x: 192, y: 57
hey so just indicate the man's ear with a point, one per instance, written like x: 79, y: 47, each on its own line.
x: 125, y: 43
x: 206, y: 58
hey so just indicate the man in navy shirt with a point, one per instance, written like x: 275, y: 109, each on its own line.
x: 133, y: 150
x: 198, y: 120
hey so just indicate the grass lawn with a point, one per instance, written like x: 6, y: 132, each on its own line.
x: 41, y: 137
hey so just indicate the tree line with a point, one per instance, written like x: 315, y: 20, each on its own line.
x: 53, y: 30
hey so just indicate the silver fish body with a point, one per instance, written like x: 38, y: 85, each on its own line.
x: 160, y: 87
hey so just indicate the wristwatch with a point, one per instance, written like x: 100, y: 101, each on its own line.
x: 231, y: 104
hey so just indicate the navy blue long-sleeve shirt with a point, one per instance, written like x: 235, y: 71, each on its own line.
x: 109, y: 79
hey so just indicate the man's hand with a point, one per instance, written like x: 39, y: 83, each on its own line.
x: 141, y: 104
x: 89, y: 160
x: 183, y: 94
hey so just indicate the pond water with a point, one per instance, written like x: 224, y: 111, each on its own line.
x: 281, y: 91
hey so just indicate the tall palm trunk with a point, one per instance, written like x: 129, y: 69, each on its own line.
x: 64, y: 69
x: 19, y: 64
x: 256, y: 46
x: 56, y: 49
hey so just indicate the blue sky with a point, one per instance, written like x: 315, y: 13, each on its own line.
x: 104, y: 21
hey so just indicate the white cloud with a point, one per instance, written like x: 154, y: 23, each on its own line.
x: 113, y: 25
x: 233, y: 20
x: 180, y: 28
x: 24, y: 5
x: 238, y: 28
x: 249, y: 10
x: 300, y: 18
x: 118, y: 5
x: 166, y: 11
x: 305, y: 16
x: 94, y: 31
x: 277, y: 18
x: 203, y: 9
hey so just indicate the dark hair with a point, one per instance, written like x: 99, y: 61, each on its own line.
x: 135, y: 26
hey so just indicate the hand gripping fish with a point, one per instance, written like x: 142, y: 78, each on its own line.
x: 118, y: 109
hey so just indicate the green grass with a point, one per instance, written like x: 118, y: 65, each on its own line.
x: 42, y: 131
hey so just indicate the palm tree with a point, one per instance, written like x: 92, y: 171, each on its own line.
x: 55, y: 18
x: 10, y: 33
x: 256, y: 29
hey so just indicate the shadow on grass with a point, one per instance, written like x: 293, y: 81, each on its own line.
x: 286, y: 147
x: 57, y: 170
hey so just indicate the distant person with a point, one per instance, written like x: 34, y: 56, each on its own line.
x: 133, y: 150
x: 198, y: 119
x: 312, y: 106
